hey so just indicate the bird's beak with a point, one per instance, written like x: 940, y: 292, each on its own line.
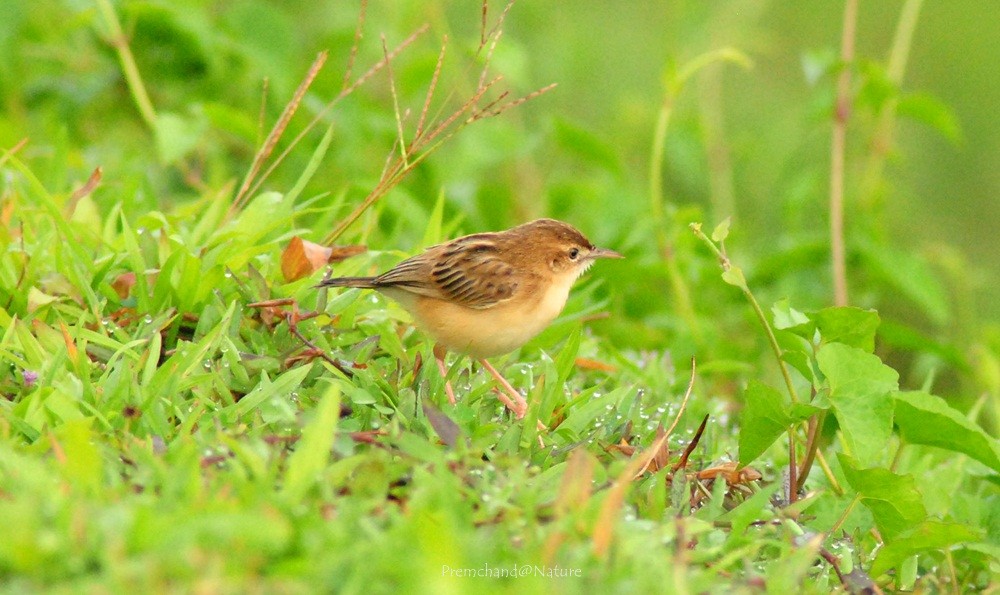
x: 604, y: 253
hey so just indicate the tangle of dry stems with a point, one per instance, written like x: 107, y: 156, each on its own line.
x: 428, y: 135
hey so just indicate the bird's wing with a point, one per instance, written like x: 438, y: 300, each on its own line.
x: 468, y: 271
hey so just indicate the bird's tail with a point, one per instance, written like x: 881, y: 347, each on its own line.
x: 362, y: 282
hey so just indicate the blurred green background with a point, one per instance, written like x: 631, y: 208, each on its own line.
x: 751, y: 143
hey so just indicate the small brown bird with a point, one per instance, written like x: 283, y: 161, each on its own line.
x: 487, y: 294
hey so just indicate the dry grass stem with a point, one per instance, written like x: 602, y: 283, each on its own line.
x: 482, y: 25
x: 378, y: 66
x: 13, y: 150
x: 279, y: 128
x: 430, y: 90
x: 677, y: 418
x: 353, y: 55
x: 265, y: 85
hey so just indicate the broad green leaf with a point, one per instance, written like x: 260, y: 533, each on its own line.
x: 927, y: 419
x: 893, y: 500
x: 931, y: 111
x: 928, y: 535
x: 802, y: 411
x: 787, y: 317
x: 851, y: 326
x: 860, y: 387
x: 313, y: 451
x: 764, y: 420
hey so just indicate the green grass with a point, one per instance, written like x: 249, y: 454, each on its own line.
x: 162, y: 431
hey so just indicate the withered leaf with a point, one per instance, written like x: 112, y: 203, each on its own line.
x: 302, y: 258
x: 123, y: 284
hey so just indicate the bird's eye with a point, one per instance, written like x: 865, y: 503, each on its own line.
x: 573, y: 253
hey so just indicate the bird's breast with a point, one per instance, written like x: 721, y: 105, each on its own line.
x: 490, y: 331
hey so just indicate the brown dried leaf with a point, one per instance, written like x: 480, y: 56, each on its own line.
x: 338, y: 253
x: 607, y: 517
x: 70, y: 344
x: 576, y: 486
x: 585, y: 363
x: 623, y: 447
x: 302, y: 258
x: 575, y: 492
x: 662, y: 456
x: 731, y: 473
x: 6, y: 212
x: 444, y: 427
x: 89, y: 186
x: 123, y: 284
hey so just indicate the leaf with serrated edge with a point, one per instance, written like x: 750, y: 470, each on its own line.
x: 928, y: 535
x: 764, y: 420
x: 927, y: 419
x: 860, y: 387
x: 893, y: 499
x: 851, y: 326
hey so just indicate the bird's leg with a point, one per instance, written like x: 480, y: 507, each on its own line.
x: 513, y: 399
x: 439, y: 353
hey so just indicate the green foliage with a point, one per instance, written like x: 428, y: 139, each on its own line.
x: 926, y: 419
x: 175, y: 414
x: 860, y: 394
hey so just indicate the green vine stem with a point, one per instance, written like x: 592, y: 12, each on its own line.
x: 734, y: 276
